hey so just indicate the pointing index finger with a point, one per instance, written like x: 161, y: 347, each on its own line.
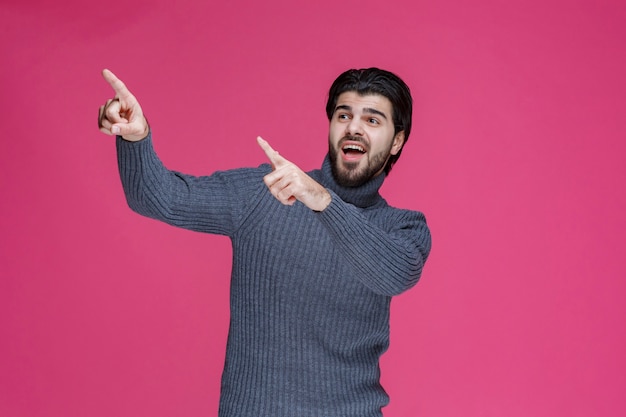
x: 271, y: 154
x: 118, y: 86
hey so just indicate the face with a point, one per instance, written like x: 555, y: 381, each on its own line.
x: 361, y: 137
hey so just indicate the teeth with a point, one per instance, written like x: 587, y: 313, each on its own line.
x: 354, y: 147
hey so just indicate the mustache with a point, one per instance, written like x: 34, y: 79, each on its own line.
x: 350, y: 138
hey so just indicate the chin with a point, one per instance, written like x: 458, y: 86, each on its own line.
x: 347, y: 174
x: 350, y: 177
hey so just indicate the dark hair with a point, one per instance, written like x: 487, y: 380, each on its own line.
x: 377, y: 81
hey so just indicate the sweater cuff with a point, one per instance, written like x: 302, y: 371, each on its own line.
x: 333, y: 209
x: 148, y: 138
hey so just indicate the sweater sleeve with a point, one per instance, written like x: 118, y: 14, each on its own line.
x: 207, y: 204
x: 388, y: 249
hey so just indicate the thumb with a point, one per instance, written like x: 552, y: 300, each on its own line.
x: 128, y: 131
x: 120, y: 129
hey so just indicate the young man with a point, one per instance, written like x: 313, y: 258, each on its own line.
x: 317, y: 256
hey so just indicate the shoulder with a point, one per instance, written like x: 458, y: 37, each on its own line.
x: 397, y: 218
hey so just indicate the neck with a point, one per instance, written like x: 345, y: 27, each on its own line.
x: 362, y: 196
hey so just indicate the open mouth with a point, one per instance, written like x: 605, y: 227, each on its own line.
x: 352, y: 151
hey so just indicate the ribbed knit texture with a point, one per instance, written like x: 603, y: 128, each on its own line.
x: 310, y: 292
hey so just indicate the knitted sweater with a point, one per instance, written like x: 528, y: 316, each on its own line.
x: 310, y: 291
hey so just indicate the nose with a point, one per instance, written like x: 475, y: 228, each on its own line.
x: 355, y: 127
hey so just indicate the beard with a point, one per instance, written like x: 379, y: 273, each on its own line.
x: 354, y: 174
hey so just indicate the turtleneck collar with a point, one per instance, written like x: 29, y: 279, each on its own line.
x: 364, y: 196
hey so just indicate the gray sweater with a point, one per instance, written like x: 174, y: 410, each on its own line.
x: 310, y: 291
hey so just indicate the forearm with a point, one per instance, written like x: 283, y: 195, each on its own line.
x: 196, y: 203
x: 387, y: 255
x: 144, y: 178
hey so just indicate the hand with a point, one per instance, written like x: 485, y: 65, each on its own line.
x: 289, y: 183
x: 122, y: 115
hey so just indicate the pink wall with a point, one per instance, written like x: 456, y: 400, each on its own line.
x: 517, y: 158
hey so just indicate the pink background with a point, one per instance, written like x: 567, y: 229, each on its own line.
x: 517, y: 159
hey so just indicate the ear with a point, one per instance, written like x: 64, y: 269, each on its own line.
x: 398, y: 142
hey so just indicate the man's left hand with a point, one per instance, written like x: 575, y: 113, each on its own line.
x: 289, y: 183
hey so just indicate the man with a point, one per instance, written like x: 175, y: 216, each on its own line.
x: 317, y: 256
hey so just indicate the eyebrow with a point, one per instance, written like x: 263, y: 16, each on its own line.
x: 368, y: 110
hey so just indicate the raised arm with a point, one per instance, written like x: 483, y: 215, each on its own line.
x: 388, y: 249
x: 208, y: 204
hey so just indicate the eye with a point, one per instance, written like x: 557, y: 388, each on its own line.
x: 373, y: 121
x: 343, y: 116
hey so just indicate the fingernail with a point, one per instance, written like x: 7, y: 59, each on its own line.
x: 115, y: 130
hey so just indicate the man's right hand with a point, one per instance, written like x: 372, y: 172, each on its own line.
x: 122, y: 115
